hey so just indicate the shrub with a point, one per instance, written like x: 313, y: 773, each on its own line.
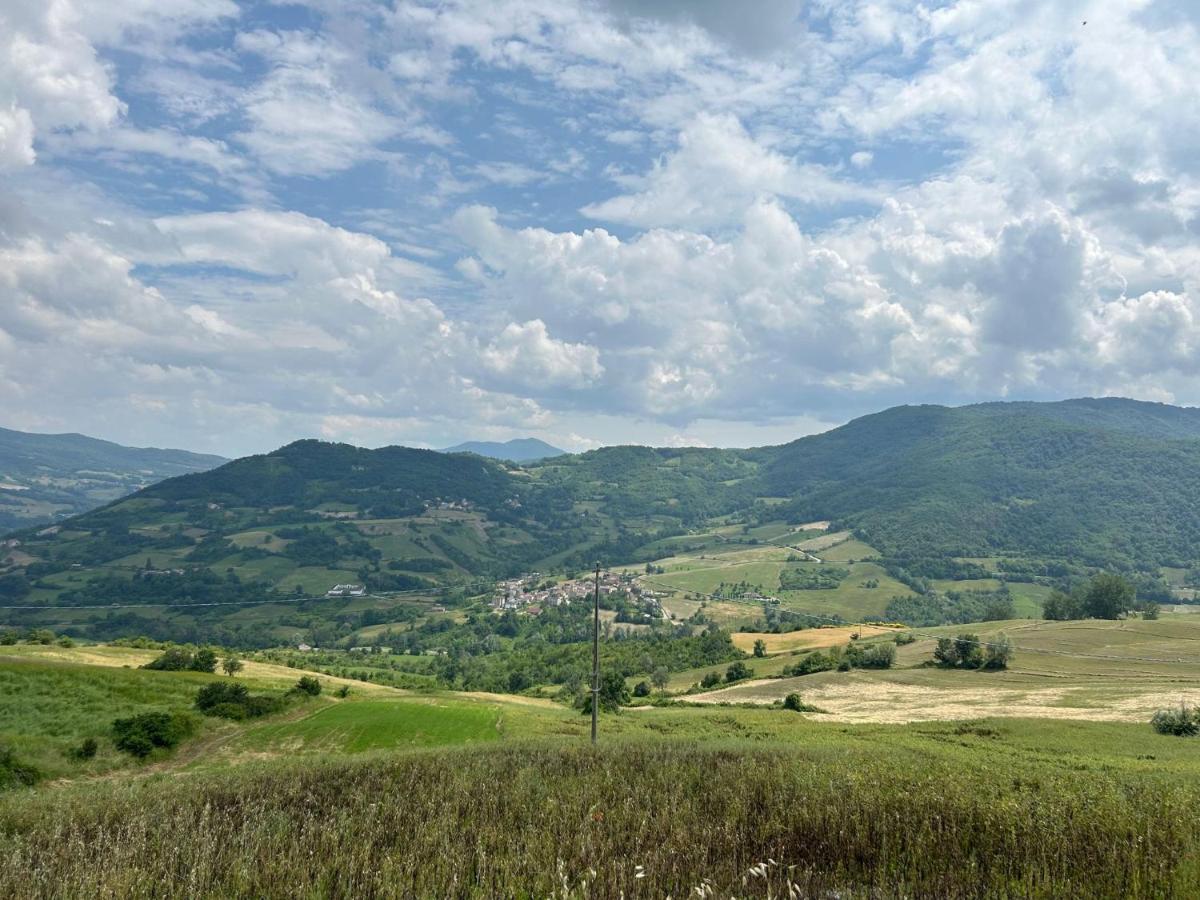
x: 220, y: 692
x: 86, y: 750
x: 641, y: 689
x: 878, y: 656
x: 14, y: 773
x: 139, y: 735
x: 796, y: 704
x: 739, y: 671
x: 1181, y: 722
x: 233, y: 711
x: 343, y: 691
x: 905, y: 637
x: 232, y: 700
x: 813, y: 662
x: 308, y: 685
x: 173, y: 659
x: 204, y: 660
x: 711, y: 679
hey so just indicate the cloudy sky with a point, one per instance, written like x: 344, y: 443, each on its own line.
x: 228, y: 225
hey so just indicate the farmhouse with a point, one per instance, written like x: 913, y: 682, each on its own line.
x: 346, y: 590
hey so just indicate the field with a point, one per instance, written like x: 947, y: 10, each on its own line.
x: 873, y: 812
x: 1112, y: 671
x: 368, y: 795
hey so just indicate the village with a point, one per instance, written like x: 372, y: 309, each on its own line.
x: 533, y: 592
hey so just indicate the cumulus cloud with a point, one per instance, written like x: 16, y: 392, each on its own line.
x: 716, y: 172
x: 527, y: 354
x: 381, y: 222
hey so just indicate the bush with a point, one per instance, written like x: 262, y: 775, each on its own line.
x: 232, y: 700
x: 739, y: 671
x: 813, y: 662
x: 14, y: 773
x: 234, y: 711
x: 221, y: 692
x: 139, y: 735
x: 710, y: 680
x: 905, y: 637
x: 308, y: 685
x: 877, y: 656
x: 796, y: 704
x: 173, y: 659
x: 204, y: 661
x: 641, y: 689
x: 86, y: 750
x: 1181, y: 722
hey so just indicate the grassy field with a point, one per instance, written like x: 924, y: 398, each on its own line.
x: 875, y: 812
x: 1094, y: 670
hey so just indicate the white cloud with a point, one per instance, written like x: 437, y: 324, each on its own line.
x: 528, y: 355
x: 717, y: 171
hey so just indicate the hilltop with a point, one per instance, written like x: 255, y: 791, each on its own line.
x: 517, y: 450
x: 44, y: 477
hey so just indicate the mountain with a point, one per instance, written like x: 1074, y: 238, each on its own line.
x: 1053, y: 489
x: 518, y: 450
x: 44, y: 477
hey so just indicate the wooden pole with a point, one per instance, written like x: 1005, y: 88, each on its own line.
x: 596, y: 657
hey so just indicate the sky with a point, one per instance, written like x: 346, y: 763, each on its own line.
x: 225, y: 226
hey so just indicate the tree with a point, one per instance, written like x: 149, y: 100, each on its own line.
x: 946, y: 653
x: 760, y: 648
x: 641, y: 689
x: 659, y: 677
x: 738, y: 671
x: 1060, y: 607
x: 1108, y: 597
x: 970, y: 653
x: 614, y: 693
x: 998, y: 652
x: 231, y: 665
x: 711, y: 679
x: 204, y: 660
x: 308, y: 685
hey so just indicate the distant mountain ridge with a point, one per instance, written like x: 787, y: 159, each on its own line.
x: 44, y: 477
x: 517, y: 450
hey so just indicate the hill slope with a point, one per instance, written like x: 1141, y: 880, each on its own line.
x: 51, y: 476
x: 1063, y: 487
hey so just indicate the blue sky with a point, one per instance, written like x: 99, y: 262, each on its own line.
x: 229, y: 225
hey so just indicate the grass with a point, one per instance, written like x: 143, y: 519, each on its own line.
x: 895, y: 813
x: 357, y: 726
x: 1100, y: 670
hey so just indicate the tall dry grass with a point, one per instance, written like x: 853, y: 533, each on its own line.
x: 633, y: 820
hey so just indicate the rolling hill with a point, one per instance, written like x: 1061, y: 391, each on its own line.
x: 1056, y: 488
x: 44, y: 477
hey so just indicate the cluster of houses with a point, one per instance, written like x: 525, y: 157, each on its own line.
x: 532, y: 593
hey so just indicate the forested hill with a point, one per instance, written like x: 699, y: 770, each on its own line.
x: 391, y: 481
x: 44, y: 477
x: 1096, y: 480
x: 1100, y: 482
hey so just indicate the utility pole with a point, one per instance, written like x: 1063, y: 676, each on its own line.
x: 596, y: 658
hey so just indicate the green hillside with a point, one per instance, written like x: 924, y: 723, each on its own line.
x: 943, y: 497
